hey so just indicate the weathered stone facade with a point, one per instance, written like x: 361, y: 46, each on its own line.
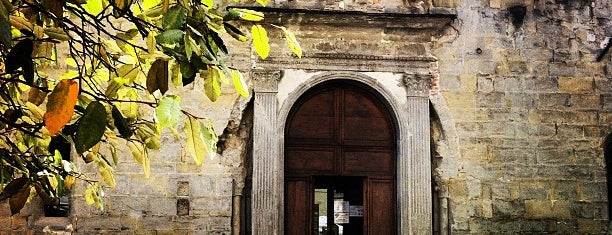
x: 514, y: 128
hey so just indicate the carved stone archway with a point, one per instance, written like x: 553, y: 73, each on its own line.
x: 413, y: 143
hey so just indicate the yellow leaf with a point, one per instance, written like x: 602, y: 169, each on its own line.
x: 70, y: 74
x: 60, y: 105
x: 292, y: 42
x: 90, y: 194
x: 194, y: 141
x: 136, y: 149
x: 219, y: 74
x: 209, y: 3
x: 146, y: 4
x: 107, y: 173
x: 260, y: 41
x: 68, y: 182
x: 239, y: 83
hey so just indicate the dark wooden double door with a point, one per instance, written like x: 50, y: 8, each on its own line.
x: 340, y: 150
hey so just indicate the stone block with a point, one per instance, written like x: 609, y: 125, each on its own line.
x: 576, y: 85
x: 182, y: 188
x: 580, y: 118
x: 459, y: 99
x: 570, y: 131
x: 495, y: 3
x: 485, y: 84
x: 585, y: 102
x: 547, y: 209
x: 491, y: 100
x: 540, y: 84
x: 450, y: 83
x: 508, y: 84
x: 552, y: 156
x: 522, y: 100
x: 469, y: 82
x: 485, y: 209
x: 457, y: 189
x: 534, y: 190
x: 504, y: 209
x: 507, y: 115
x: 594, y: 191
x: 202, y: 186
x: 162, y: 206
x: 554, y: 101
x: 606, y: 100
x: 592, y: 226
x: 590, y: 210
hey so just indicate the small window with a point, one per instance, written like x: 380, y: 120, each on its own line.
x: 62, y: 208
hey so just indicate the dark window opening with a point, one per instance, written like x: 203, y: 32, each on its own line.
x: 608, y: 157
x: 62, y: 207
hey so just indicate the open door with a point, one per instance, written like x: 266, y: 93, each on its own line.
x: 340, y: 163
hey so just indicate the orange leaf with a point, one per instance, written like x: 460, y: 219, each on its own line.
x: 60, y: 105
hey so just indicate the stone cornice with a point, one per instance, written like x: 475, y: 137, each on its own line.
x: 348, y: 62
x: 434, y: 20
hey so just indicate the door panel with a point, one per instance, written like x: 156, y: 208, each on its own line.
x: 366, y: 162
x: 381, y: 208
x: 298, y: 206
x: 321, y: 161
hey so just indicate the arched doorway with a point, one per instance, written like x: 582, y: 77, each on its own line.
x: 340, y: 162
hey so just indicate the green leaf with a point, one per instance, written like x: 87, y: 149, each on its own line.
x: 187, y: 73
x: 174, y: 18
x: 219, y: 42
x: 292, y: 42
x: 210, y: 138
x: 239, y: 83
x: 157, y: 78
x: 168, y: 111
x: 234, y: 32
x: 91, y: 127
x: 5, y: 33
x: 170, y: 36
x: 260, y: 41
x: 121, y: 123
x: 212, y: 87
x: 194, y: 140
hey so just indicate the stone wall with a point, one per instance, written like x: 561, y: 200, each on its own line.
x: 531, y: 108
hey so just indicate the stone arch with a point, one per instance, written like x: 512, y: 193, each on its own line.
x: 414, y: 190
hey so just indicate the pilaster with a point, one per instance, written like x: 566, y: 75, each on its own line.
x: 416, y: 193
x: 267, y: 198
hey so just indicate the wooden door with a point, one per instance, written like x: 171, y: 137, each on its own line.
x: 340, y: 129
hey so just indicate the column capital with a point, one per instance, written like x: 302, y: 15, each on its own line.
x: 417, y: 84
x: 266, y: 80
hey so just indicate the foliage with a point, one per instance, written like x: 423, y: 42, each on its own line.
x: 115, y: 73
